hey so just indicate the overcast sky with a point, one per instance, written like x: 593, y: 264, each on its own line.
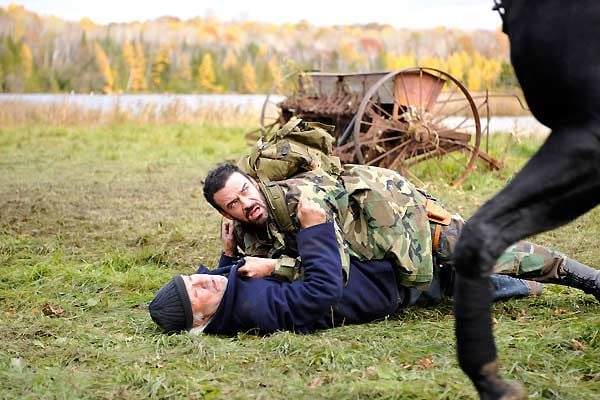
x: 464, y: 14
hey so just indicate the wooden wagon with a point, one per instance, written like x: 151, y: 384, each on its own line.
x: 419, y: 121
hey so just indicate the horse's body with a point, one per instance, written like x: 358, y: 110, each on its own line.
x: 555, y: 51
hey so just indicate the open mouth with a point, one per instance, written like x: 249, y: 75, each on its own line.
x: 253, y: 213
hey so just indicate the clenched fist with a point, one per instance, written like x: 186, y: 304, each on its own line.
x: 310, y: 213
x: 228, y: 238
x: 257, y: 267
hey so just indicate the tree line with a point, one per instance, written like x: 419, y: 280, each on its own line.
x: 204, y: 55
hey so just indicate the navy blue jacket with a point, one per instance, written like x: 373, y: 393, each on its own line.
x: 321, y: 300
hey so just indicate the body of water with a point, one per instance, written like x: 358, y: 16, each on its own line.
x: 137, y: 102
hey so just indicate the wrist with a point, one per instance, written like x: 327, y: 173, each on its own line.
x: 272, y: 266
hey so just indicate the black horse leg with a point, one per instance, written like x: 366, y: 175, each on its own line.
x: 551, y: 190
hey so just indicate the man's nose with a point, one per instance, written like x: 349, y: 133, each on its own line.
x: 246, y: 201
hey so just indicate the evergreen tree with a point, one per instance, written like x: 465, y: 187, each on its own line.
x: 507, y: 77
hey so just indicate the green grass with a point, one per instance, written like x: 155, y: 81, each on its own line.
x: 95, y: 219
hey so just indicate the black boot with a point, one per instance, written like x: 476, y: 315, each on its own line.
x: 580, y: 276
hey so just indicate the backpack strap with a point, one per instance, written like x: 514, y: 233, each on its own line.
x: 276, y: 201
x: 287, y: 128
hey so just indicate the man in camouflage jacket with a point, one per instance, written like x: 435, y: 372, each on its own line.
x: 377, y: 215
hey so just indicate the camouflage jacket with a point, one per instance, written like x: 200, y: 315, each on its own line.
x: 376, y: 212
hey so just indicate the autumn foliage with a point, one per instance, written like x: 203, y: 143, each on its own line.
x: 204, y: 55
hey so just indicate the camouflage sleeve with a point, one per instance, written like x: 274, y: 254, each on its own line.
x: 410, y: 247
x: 327, y: 200
x: 388, y: 220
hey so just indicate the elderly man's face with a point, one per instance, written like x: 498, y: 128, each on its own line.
x: 205, y: 293
x: 240, y: 199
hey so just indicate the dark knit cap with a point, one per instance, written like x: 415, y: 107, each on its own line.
x: 171, y: 308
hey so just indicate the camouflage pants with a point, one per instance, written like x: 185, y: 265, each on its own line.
x: 522, y: 259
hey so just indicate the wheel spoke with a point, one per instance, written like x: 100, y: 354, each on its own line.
x: 456, y: 113
x: 445, y: 102
x: 377, y: 106
x: 388, y: 152
x: 438, y: 79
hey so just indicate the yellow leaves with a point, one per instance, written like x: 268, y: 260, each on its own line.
x: 160, y: 65
x: 490, y: 71
x: 233, y: 35
x: 15, y: 9
x: 26, y: 60
x: 230, y: 60
x: 393, y: 62
x: 86, y: 24
x: 135, y: 60
x: 474, y: 80
x: 262, y: 50
x: 206, y: 73
x: 138, y: 77
x: 104, y: 68
x: 249, y: 78
x: 128, y: 54
x: 457, y: 65
x: 349, y: 53
x: 483, y: 73
x: 432, y: 62
x: 274, y: 71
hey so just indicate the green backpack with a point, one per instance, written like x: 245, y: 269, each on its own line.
x: 297, y: 147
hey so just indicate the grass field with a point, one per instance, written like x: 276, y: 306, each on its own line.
x: 95, y: 218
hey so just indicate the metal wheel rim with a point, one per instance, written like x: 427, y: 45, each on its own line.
x: 373, y: 90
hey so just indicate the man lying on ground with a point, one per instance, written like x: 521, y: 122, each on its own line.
x: 223, y: 302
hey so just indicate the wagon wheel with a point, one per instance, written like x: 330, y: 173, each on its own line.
x: 271, y: 114
x: 421, y: 122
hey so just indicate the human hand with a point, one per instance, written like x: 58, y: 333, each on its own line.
x: 228, y: 238
x: 310, y: 213
x: 257, y: 267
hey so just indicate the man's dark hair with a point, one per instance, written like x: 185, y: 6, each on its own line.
x: 215, y: 180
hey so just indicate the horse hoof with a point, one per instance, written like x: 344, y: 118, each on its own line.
x: 491, y: 386
x: 514, y: 391
x: 503, y: 390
